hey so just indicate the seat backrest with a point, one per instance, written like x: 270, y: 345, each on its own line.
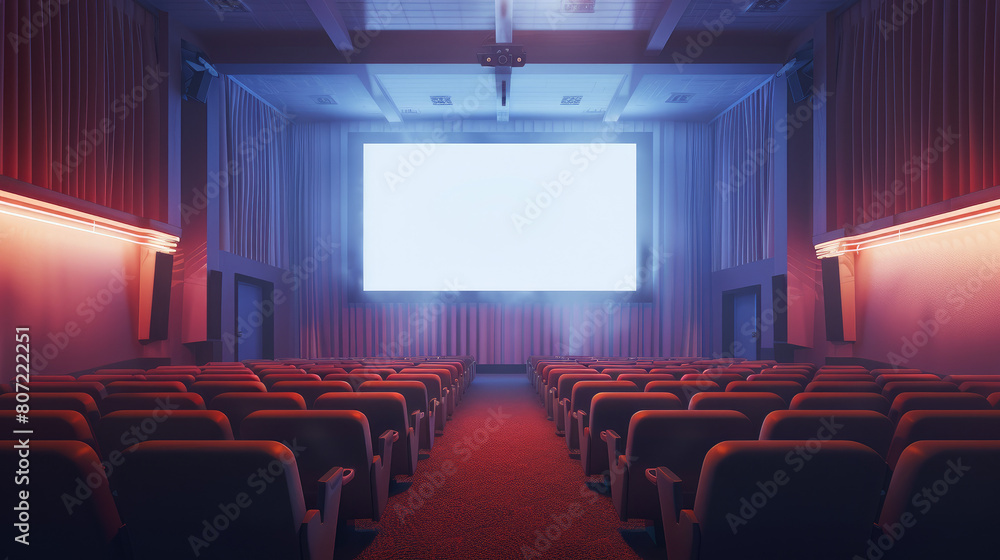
x: 684, y: 390
x: 959, y: 379
x: 583, y: 392
x: 840, y: 401
x: 739, y: 369
x: 414, y: 392
x: 264, y: 372
x: 984, y: 388
x: 118, y: 430
x: 641, y: 379
x: 78, y: 402
x: 119, y: 371
x: 552, y: 375
x: 564, y: 388
x: 379, y: 371
x: 676, y: 371
x: 808, y: 372
x: 680, y: 439
x: 193, y: 371
x: 146, y: 387
x: 270, y: 379
x: 312, y: 390
x: 796, y: 377
x: 104, y: 379
x: 796, y: 509
x: 50, y: 425
x: 884, y: 378
x: 353, y: 379
x: 211, y: 389
x: 431, y: 381
x: 92, y: 388
x: 918, y: 425
x: 213, y: 376
x: 721, y: 379
x: 866, y: 377
x: 194, y: 479
x: 65, y: 521
x: 613, y: 411
x: 897, y: 371
x: 184, y: 378
x: 994, y: 401
x: 894, y: 388
x: 863, y: 426
x: 905, y: 402
x: 152, y: 401
x: 323, y: 371
x: 322, y: 439
x: 843, y: 387
x: 957, y: 519
x: 755, y: 406
x: 384, y: 411
x: 237, y: 406
x: 615, y: 372
x: 784, y: 389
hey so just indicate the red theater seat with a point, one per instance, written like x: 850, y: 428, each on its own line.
x: 353, y: 379
x: 561, y: 393
x: 784, y: 389
x: 312, y: 390
x: 905, y: 402
x: 184, y: 378
x: 684, y: 390
x: 863, y: 426
x: 237, y: 406
x: 677, y: 372
x: 271, y: 379
x: 866, y: 377
x: 175, y: 370
x: 118, y: 430
x: 446, y: 389
x: 941, y: 501
x: 323, y: 371
x: 677, y: 439
x: 841, y: 401
x: 994, y: 401
x: 104, y: 379
x: 119, y: 371
x: 89, y: 529
x: 641, y: 380
x: 616, y: 371
x: 721, y: 379
x: 211, y: 389
x: 579, y: 404
x: 755, y: 406
x: 919, y: 425
x: 959, y: 379
x: 843, y: 387
x: 196, y: 482
x: 77, y: 402
x: 613, y: 411
x: 53, y: 378
x: 418, y: 406
x: 92, y: 388
x: 50, y: 425
x: 822, y: 509
x: 381, y: 372
x: 898, y: 371
x: 894, y: 388
x: 332, y: 438
x: 151, y: 401
x: 434, y: 393
x: 228, y: 377
x: 796, y: 377
x: 384, y: 411
x: 146, y: 387
x: 884, y: 378
x: 984, y: 388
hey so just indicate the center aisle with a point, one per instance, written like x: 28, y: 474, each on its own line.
x: 498, y: 485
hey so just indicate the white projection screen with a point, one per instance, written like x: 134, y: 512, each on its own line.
x: 499, y: 217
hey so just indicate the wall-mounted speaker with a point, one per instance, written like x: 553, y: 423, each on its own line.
x: 838, y: 298
x: 155, y: 272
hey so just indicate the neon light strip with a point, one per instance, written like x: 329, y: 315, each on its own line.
x: 945, y: 223
x: 89, y: 224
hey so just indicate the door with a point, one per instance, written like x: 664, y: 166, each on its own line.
x: 250, y: 321
x: 741, y: 323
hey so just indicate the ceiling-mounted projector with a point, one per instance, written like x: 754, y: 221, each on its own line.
x: 501, y: 55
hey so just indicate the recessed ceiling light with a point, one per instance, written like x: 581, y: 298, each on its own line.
x: 679, y: 97
x: 578, y: 6
x: 325, y: 100
x: 228, y: 5
x: 766, y: 6
x: 440, y: 100
x: 571, y: 100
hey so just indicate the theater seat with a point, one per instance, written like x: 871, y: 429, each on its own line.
x: 753, y: 501
x: 884, y: 378
x: 677, y: 439
x: 118, y: 430
x: 146, y: 387
x: 415, y: 394
x: 994, y: 401
x: 894, y: 388
x: 212, y: 376
x: 866, y: 377
x: 641, y: 379
x: 434, y: 392
x: 755, y: 406
x: 784, y: 389
x: 151, y: 401
x: 450, y: 386
x: 323, y: 439
x: 237, y: 406
x: 50, y: 425
x: 906, y: 402
x: 103, y: 379
x: 312, y: 390
x: 683, y: 390
x: 843, y: 387
x: 796, y: 377
x: 259, y: 513
x: 186, y: 379
x: 559, y: 396
x: 840, y: 401
x: 579, y: 403
x: 984, y: 388
x: 211, y: 389
x: 617, y: 371
x: 863, y: 426
x: 64, y: 521
x: 721, y: 379
x: 353, y: 379
x: 92, y: 388
x: 613, y: 411
x: 78, y: 402
x: 918, y: 425
x: 941, y: 502
x: 959, y: 379
x: 384, y: 411
x: 270, y: 379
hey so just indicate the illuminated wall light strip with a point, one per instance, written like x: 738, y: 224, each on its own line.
x: 158, y: 241
x: 964, y: 219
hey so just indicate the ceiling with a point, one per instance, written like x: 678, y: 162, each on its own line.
x: 619, y: 62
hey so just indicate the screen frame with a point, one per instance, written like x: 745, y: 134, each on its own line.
x: 646, y: 243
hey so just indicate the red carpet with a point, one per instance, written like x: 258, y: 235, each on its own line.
x: 498, y: 485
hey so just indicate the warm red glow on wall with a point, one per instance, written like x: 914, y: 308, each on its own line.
x: 60, y: 216
x: 965, y: 218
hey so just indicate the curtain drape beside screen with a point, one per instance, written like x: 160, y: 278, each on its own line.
x: 917, y: 101
x: 743, y: 181
x: 82, y: 87
x: 256, y: 171
x: 672, y: 324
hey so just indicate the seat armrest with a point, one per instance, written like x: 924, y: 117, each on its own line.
x: 581, y: 416
x: 386, y: 440
x: 613, y: 440
x: 415, y: 417
x: 330, y: 485
x: 668, y: 485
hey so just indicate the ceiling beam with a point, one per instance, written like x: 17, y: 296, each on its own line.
x: 621, y: 98
x: 329, y: 17
x: 504, y: 34
x: 381, y: 97
x: 665, y: 23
